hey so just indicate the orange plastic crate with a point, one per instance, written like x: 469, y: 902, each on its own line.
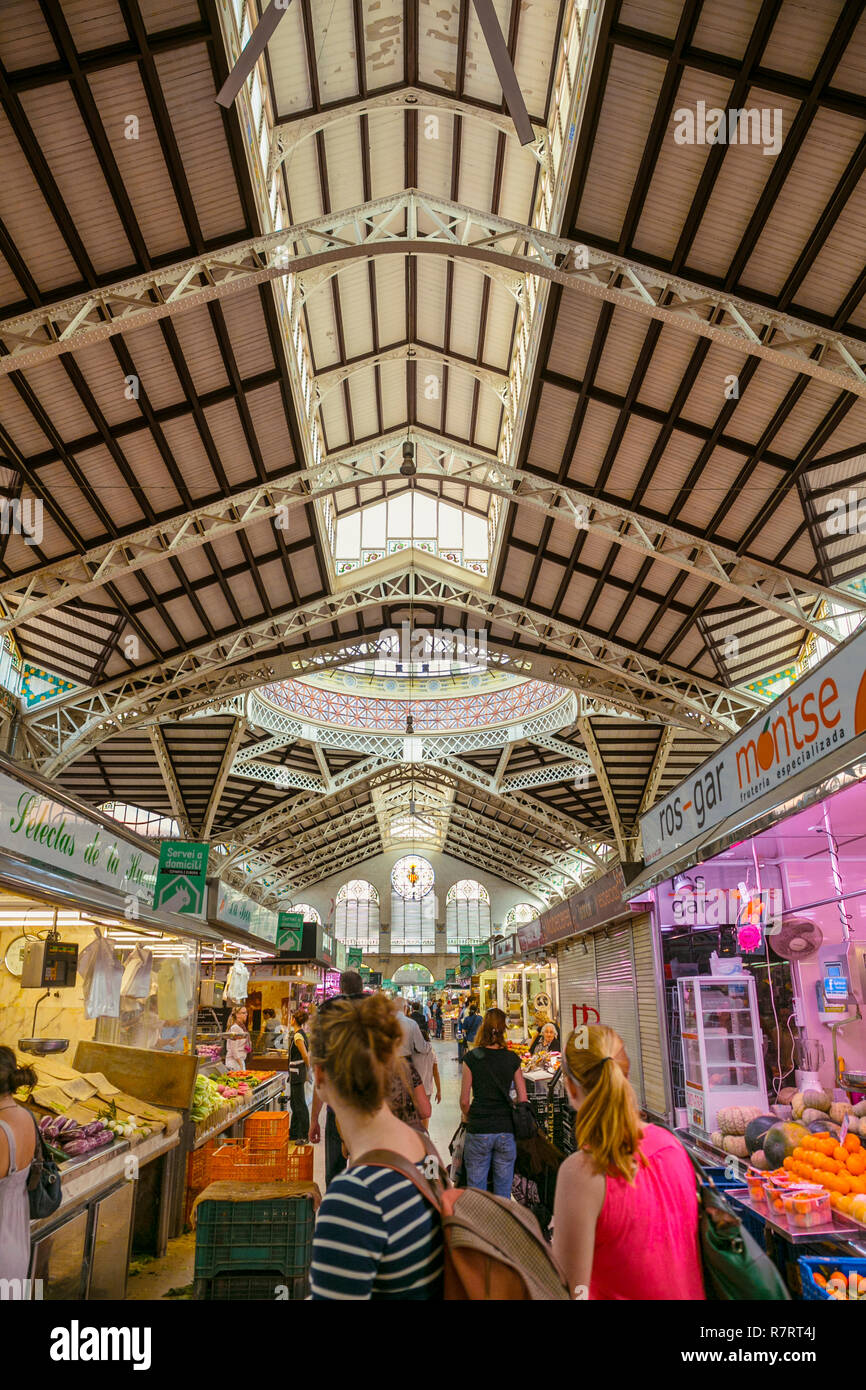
x: 198, y: 1166
x: 268, y: 1125
x: 300, y: 1163
x: 238, y: 1161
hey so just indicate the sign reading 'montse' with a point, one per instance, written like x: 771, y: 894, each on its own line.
x: 818, y: 715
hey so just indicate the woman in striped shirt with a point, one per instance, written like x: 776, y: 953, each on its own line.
x: 376, y: 1237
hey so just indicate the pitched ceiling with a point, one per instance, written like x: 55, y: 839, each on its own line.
x: 664, y: 474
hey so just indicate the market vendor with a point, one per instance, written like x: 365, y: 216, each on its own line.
x: 546, y: 1039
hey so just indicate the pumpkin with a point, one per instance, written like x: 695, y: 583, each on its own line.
x: 786, y: 1095
x: 735, y: 1144
x: 797, y: 1106
x: 760, y: 1161
x: 756, y: 1129
x: 782, y: 1112
x: 817, y: 1100
x: 860, y: 1108
x: 781, y: 1140
x: 734, y: 1118
x: 838, y: 1110
x: 717, y: 1138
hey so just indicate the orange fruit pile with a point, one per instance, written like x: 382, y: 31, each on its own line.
x: 840, y: 1168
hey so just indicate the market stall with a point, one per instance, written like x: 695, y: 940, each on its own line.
x: 756, y: 867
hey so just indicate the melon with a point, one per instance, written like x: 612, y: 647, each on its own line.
x: 735, y: 1144
x: 822, y: 1126
x: 783, y: 1112
x: 786, y: 1095
x: 756, y: 1129
x: 782, y: 1139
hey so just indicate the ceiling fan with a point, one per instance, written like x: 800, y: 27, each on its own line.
x: 493, y: 36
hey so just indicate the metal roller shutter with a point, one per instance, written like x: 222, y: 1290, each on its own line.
x: 617, y: 995
x: 653, y: 1061
x: 577, y: 983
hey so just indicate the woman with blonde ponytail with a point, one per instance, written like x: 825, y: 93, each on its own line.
x: 626, y: 1212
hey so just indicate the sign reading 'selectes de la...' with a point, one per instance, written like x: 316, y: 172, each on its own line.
x: 182, y: 876
x: 816, y: 717
x: 39, y: 828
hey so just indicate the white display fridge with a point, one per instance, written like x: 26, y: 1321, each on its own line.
x: 722, y: 1046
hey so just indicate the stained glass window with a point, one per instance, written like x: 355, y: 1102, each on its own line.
x: 310, y: 913
x: 523, y: 912
x: 356, y: 916
x: 467, y: 913
x: 412, y: 877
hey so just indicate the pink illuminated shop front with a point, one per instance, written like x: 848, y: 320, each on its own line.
x: 757, y: 863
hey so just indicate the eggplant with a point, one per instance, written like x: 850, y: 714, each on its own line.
x: 53, y: 1130
x: 45, y: 1123
x: 95, y: 1127
x: 76, y: 1147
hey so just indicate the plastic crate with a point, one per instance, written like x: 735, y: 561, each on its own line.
x: 808, y: 1264
x: 264, y: 1287
x: 275, y: 1233
x: 268, y: 1126
x: 198, y: 1166
x: 238, y: 1161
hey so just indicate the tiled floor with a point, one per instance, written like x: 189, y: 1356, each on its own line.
x: 175, y: 1269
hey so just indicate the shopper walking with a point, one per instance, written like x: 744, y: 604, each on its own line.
x: 376, y: 1236
x: 471, y: 1026
x: 17, y: 1148
x: 351, y: 987
x: 489, y: 1071
x: 299, y: 1062
x: 238, y: 1043
x: 625, y: 1220
x: 439, y: 1021
x: 428, y: 1067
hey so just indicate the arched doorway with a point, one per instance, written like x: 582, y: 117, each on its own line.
x: 413, y: 980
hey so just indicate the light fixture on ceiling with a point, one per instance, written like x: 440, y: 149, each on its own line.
x: 407, y: 467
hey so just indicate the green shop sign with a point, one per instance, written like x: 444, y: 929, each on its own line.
x: 290, y: 931
x: 181, y: 878
x: 355, y: 957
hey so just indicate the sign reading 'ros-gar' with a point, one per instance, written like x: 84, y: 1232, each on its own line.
x: 816, y: 717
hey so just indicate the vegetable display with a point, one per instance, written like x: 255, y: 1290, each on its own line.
x: 72, y: 1139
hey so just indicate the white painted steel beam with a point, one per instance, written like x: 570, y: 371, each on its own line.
x: 412, y: 222
x: 82, y: 720
x: 166, y: 768
x: 767, y: 586
x: 234, y: 743
x: 592, y: 748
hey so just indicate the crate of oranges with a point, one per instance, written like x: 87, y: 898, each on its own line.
x: 840, y: 1168
x: 843, y: 1281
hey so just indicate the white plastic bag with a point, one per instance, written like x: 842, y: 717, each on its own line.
x: 102, y: 973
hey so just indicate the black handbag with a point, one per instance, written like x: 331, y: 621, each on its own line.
x: 523, y: 1121
x: 43, y: 1182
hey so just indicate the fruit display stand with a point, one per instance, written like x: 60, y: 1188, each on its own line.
x: 200, y: 1140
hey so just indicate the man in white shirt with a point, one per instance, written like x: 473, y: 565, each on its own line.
x: 413, y: 1038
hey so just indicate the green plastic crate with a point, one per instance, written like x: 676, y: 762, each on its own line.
x: 245, y: 1287
x: 274, y: 1233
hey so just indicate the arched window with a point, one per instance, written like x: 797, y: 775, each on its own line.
x: 523, y: 912
x: 310, y: 913
x: 467, y: 913
x: 356, y: 917
x: 413, y: 905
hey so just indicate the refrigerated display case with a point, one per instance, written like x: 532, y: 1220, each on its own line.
x: 722, y: 1046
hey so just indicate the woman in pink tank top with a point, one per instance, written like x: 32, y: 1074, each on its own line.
x: 625, y: 1223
